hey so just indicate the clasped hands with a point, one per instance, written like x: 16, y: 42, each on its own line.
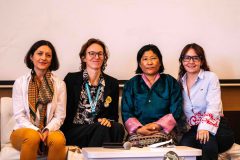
x: 43, y: 136
x: 148, y: 129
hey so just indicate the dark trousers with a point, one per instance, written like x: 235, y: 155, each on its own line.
x: 94, y: 135
x: 209, y: 149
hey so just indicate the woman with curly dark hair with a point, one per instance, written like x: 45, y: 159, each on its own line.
x: 92, y: 100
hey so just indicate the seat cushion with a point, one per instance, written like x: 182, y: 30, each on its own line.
x: 9, y: 153
x: 7, y: 120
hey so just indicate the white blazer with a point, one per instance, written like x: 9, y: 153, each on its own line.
x: 56, y: 110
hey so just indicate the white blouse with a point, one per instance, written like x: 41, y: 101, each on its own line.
x: 204, y: 106
x: 56, y: 110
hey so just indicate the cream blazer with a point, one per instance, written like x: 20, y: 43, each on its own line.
x: 56, y: 110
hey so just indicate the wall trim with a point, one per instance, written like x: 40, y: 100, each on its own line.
x: 224, y: 82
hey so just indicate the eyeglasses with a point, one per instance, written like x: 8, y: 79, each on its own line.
x: 94, y: 54
x: 189, y: 58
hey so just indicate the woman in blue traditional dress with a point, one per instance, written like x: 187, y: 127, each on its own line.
x: 152, y: 100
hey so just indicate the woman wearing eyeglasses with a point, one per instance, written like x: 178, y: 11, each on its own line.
x: 202, y: 103
x: 92, y: 100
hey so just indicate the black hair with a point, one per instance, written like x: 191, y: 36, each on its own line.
x: 54, y: 63
x: 149, y: 47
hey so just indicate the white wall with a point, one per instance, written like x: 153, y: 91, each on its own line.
x: 125, y: 26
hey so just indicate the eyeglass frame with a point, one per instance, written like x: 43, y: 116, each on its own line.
x: 94, y: 54
x: 197, y: 58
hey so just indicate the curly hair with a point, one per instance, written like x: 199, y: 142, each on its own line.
x: 85, y: 46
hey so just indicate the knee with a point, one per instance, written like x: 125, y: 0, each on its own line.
x: 210, y: 148
x: 101, y: 127
x: 32, y: 137
x: 118, y: 127
x: 187, y: 141
x: 56, y: 138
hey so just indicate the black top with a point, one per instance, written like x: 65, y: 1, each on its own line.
x: 74, y: 82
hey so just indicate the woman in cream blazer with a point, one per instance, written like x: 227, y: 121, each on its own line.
x: 39, y: 106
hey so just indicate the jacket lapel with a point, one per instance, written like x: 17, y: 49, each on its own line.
x: 77, y: 88
x: 106, y: 88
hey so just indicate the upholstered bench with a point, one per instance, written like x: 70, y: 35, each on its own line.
x: 8, y: 121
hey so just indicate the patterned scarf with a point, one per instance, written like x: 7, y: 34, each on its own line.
x: 40, y: 93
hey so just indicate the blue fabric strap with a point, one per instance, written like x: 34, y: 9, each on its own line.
x: 92, y: 103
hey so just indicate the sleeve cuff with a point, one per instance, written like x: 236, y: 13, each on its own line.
x: 167, y: 122
x: 45, y: 129
x: 132, y: 124
x: 34, y: 127
x: 209, y: 123
x: 210, y: 128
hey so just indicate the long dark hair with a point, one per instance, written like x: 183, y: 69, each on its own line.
x: 149, y: 47
x: 199, y: 51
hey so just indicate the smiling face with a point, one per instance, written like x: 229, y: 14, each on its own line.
x: 192, y: 62
x: 42, y: 58
x: 150, y: 63
x: 94, y: 57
